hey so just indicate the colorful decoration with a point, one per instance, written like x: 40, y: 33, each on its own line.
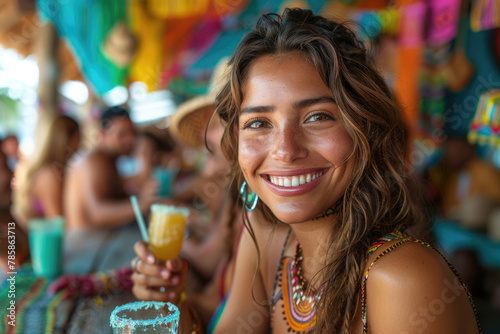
x: 120, y: 45
x: 412, y: 24
x: 432, y: 83
x: 149, y: 56
x: 72, y: 20
x: 374, y: 23
x: 93, y: 285
x: 174, y: 9
x: 412, y: 18
x: 485, y: 15
x: 443, y: 21
x: 485, y: 127
x: 35, y: 308
x: 432, y: 103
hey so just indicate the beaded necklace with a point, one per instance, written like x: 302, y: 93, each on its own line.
x: 299, y: 285
x: 299, y: 301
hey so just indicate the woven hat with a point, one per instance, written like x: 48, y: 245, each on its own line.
x: 188, y: 123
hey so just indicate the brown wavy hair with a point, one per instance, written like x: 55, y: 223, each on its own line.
x: 381, y: 195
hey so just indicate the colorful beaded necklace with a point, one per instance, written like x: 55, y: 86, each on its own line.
x: 299, y: 301
x: 299, y: 285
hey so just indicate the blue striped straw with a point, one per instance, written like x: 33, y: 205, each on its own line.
x: 138, y: 217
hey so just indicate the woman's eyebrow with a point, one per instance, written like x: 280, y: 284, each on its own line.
x: 296, y: 105
x: 312, y: 101
x: 258, y: 109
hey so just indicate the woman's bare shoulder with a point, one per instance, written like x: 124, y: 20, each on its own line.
x: 413, y: 289
x: 47, y: 175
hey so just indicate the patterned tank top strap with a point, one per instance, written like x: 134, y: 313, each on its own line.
x: 404, y: 239
x: 278, y: 271
x: 386, y: 238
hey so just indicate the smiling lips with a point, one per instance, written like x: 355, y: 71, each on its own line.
x: 293, y: 183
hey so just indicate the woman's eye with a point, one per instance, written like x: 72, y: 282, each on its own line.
x: 257, y: 125
x: 318, y: 118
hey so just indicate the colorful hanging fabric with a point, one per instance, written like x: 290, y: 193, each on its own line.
x: 485, y: 15
x: 432, y: 82
x: 485, y: 127
x: 443, y: 21
x: 200, y: 37
x: 185, y: 49
x: 376, y: 22
x: 85, y: 24
x: 149, y: 57
x: 432, y: 103
x: 412, y: 18
x: 389, y: 18
x: 172, y: 9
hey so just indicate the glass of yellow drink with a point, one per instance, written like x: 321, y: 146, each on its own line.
x: 166, y: 230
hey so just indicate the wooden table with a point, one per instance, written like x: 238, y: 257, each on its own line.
x: 84, y: 253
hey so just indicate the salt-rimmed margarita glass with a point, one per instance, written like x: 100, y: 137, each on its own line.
x: 145, y: 317
x: 166, y: 230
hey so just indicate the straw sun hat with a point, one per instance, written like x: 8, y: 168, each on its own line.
x: 188, y: 123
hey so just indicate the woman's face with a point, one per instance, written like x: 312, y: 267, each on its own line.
x: 292, y: 142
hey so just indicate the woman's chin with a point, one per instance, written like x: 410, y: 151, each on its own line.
x: 292, y: 218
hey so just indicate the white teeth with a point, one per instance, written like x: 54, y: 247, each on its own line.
x: 293, y: 181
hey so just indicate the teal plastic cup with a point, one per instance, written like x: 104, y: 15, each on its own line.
x: 165, y: 178
x: 46, y: 238
x: 145, y: 317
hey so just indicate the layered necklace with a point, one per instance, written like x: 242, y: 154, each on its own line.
x: 299, y: 301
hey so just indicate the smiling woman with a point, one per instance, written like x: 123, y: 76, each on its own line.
x: 312, y: 129
x: 293, y: 145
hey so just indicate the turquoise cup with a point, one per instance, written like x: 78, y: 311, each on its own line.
x: 45, y: 238
x: 165, y: 178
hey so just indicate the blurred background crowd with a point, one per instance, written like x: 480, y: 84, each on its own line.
x: 103, y: 99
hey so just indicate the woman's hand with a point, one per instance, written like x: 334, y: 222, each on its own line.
x: 153, y: 281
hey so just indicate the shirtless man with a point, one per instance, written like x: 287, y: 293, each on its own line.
x: 94, y: 192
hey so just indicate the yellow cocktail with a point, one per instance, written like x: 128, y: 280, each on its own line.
x: 166, y: 230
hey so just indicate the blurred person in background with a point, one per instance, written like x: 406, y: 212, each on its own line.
x: 153, y: 156
x: 39, y: 192
x: 214, y: 225
x: 7, y: 223
x: 95, y: 192
x: 5, y: 182
x: 468, y: 193
x: 10, y: 147
x: 469, y: 187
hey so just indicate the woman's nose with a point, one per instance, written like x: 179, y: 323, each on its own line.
x: 289, y: 145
